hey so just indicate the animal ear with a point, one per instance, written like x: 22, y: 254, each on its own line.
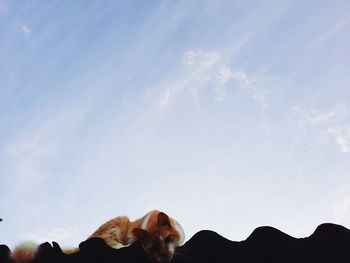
x: 163, y: 219
x: 140, y: 233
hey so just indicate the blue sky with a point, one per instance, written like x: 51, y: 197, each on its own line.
x: 228, y: 115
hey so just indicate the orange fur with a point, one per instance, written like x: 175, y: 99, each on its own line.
x: 158, y: 233
x: 24, y: 253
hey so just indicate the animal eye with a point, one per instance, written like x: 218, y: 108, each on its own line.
x: 168, y: 239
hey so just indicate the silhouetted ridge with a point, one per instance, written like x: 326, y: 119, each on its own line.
x: 330, y: 232
x: 267, y: 233
x: 329, y: 243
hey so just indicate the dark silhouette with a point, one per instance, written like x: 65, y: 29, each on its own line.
x: 329, y: 243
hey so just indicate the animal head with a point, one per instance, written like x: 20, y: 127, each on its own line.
x: 160, y: 240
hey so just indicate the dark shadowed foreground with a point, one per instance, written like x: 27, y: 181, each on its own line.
x: 329, y: 243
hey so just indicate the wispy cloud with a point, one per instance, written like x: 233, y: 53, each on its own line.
x: 313, y: 117
x: 201, y: 58
x: 341, y: 136
x: 24, y: 29
x: 192, y: 79
x: 208, y: 70
x: 245, y: 81
x: 334, y: 123
x: 333, y: 29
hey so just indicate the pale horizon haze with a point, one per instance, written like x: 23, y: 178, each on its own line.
x: 227, y: 115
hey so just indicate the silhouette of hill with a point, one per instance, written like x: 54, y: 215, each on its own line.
x: 329, y: 243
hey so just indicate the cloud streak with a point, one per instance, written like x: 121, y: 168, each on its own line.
x: 207, y: 70
x: 24, y: 29
x: 334, y: 123
x: 341, y: 136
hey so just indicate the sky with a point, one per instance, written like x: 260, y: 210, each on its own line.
x: 226, y: 115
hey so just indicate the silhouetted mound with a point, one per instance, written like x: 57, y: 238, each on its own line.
x: 329, y: 243
x: 4, y: 254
